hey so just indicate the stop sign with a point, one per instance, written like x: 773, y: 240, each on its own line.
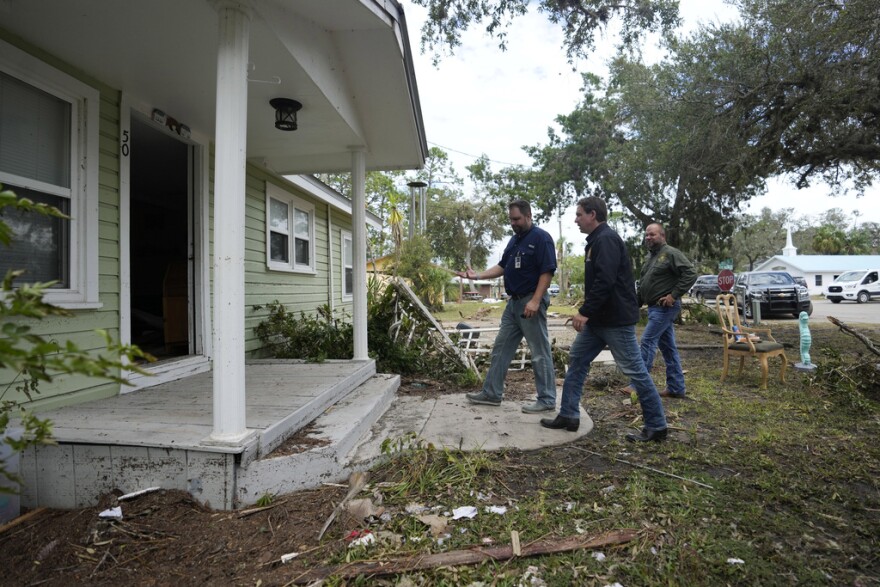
x: 725, y: 280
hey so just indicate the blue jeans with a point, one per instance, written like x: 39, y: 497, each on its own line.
x: 660, y: 332
x: 625, y: 348
x: 513, y: 329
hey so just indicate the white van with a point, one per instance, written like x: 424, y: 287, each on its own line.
x: 859, y: 286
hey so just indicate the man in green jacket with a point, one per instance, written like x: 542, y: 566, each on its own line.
x: 666, y: 276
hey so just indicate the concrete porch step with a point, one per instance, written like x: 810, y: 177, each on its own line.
x: 325, y: 452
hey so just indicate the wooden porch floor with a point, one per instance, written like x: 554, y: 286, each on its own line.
x: 282, y: 396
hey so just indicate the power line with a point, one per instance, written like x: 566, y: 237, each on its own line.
x: 475, y: 157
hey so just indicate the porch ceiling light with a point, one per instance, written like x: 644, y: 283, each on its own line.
x: 285, y: 113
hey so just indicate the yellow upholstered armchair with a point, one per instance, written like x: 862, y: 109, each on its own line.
x: 742, y: 342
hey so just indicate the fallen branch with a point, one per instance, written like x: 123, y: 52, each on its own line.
x: 22, y: 518
x: 652, y: 469
x: 356, y: 483
x: 256, y: 510
x: 463, y: 557
x: 850, y: 330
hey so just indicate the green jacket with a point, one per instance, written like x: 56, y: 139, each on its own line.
x: 667, y: 270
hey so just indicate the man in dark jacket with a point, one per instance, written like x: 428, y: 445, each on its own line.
x: 608, y: 317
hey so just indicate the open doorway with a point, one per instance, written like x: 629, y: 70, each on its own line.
x: 161, y: 241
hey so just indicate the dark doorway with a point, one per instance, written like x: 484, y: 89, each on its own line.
x: 161, y: 217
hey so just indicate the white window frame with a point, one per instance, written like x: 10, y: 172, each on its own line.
x: 345, y: 235
x: 83, y: 291
x: 274, y: 192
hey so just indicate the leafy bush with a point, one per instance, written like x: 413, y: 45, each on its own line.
x: 853, y: 381
x: 312, y: 337
x: 398, y: 340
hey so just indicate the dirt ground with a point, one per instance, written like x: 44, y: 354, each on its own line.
x: 167, y: 538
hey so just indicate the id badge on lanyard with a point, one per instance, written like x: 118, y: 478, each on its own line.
x: 517, y: 262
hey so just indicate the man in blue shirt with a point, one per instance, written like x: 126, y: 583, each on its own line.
x: 528, y: 264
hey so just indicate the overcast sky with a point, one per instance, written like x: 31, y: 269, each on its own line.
x: 482, y: 100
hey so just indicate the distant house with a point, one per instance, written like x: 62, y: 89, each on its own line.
x: 818, y: 270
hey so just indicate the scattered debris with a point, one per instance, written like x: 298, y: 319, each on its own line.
x: 22, y: 518
x: 356, y: 482
x: 363, y: 538
x: 599, y: 556
x: 362, y: 509
x: 735, y: 561
x: 112, y: 513
x: 134, y: 494
x: 286, y: 558
x: 467, y: 511
x: 496, y: 509
x: 421, y: 561
x: 256, y: 510
x: 647, y: 468
x: 437, y: 524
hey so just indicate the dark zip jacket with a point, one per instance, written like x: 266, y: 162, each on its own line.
x: 608, y: 281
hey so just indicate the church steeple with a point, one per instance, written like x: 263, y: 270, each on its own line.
x: 790, y: 250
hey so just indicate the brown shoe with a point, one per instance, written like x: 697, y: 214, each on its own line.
x: 626, y: 390
x: 667, y: 393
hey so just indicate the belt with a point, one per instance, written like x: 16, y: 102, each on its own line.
x: 520, y: 296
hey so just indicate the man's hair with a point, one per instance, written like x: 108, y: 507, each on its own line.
x: 524, y: 207
x: 595, y: 204
x: 659, y: 226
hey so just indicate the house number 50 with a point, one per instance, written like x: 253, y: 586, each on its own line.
x: 125, y: 143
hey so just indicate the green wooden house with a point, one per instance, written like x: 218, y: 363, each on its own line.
x: 180, y: 137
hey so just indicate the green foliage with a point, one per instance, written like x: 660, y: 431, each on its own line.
x: 312, y: 337
x: 854, y: 381
x: 265, y: 500
x: 580, y: 21
x: 35, y: 359
x: 398, y: 340
x: 699, y: 313
x: 418, y: 469
x: 428, y: 281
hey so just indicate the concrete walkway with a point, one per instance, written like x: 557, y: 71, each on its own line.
x: 452, y: 421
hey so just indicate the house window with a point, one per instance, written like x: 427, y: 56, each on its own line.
x: 818, y: 280
x: 49, y: 154
x: 290, y: 233
x: 347, y: 265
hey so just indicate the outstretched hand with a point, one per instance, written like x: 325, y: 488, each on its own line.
x: 467, y: 274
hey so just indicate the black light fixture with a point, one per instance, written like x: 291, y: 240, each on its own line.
x: 285, y: 112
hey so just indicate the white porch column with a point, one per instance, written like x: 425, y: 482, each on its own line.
x: 359, y: 251
x: 228, y: 259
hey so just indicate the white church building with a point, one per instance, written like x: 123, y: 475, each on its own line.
x: 818, y: 270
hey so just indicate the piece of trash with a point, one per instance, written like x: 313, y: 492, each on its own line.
x: 532, y: 578
x: 414, y: 508
x: 286, y: 558
x: 482, y: 496
x: 385, y: 517
x: 735, y: 561
x: 607, y: 490
x: 361, y: 509
x: 112, y: 513
x: 467, y: 511
x: 437, y: 523
x: 487, y: 540
x: 496, y: 509
x: 614, y: 585
x: 653, y: 551
x: 599, y: 556
x: 366, y: 538
x: 134, y: 494
x: 390, y: 538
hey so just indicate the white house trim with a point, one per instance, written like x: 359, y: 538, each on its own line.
x: 229, y: 214
x: 359, y: 244
x: 84, y: 100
